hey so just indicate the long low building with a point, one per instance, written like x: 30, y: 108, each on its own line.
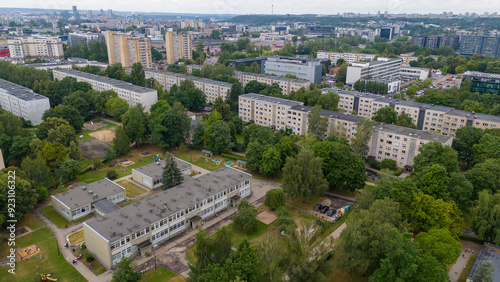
x: 387, y: 142
x: 434, y: 118
x: 287, y: 85
x: 100, y: 196
x: 133, y: 94
x: 211, y: 88
x: 140, y: 227
x: 150, y: 176
x: 347, y: 57
x: 23, y: 102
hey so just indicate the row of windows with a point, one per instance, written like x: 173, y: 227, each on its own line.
x: 122, y: 254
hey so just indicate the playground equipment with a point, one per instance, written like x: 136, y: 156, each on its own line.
x: 45, y: 277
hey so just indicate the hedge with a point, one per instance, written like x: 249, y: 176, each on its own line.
x: 232, y: 156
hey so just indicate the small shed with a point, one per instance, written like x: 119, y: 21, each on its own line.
x: 207, y: 153
x: 241, y: 163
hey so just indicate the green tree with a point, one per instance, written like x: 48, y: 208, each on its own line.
x: 243, y: 264
x: 171, y: 175
x: 341, y: 73
x: 53, y: 154
x: 173, y: 129
x: 441, y: 244
x: 271, y: 161
x: 317, y: 124
x: 38, y: 172
x: 116, y: 107
x: 485, y: 176
x: 357, y: 250
x: 364, y: 131
x: 386, y: 115
x: 246, y: 218
x: 82, y: 102
x: 465, y: 138
x: 329, y: 101
x: 68, y: 170
x: 121, y: 141
x: 213, y: 272
x: 303, y: 177
x: 65, y: 112
x: 26, y: 194
x: 486, y: 216
x: 199, y: 135
x: 484, y: 272
x: 405, y: 120
x: 460, y: 190
x: 388, y: 164
x: 236, y: 91
x: 19, y: 149
x: 436, y: 153
x: 340, y: 167
x: 74, y: 151
x: 254, y: 86
x: 135, y: 125
x: 275, y: 198
x: 221, y: 137
x: 125, y: 271
x: 488, y: 147
x: 433, y: 180
x: 254, y: 155
x: 223, y: 108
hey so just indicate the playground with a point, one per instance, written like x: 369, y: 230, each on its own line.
x: 93, y: 125
x: 27, y: 252
x: 103, y: 135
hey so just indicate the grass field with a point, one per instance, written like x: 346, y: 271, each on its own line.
x: 50, y: 262
x: 58, y: 219
x: 161, y: 274
x: 141, y: 198
x: 131, y: 189
x: 467, y: 269
x: 31, y: 221
x: 26, y: 240
x: 134, y: 155
x: 97, y: 269
x: 76, y: 238
x: 196, y: 158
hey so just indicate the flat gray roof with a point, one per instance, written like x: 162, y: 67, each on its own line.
x: 326, y: 113
x: 19, y: 91
x: 482, y: 74
x: 80, y: 195
x: 488, y: 252
x: 143, y: 213
x: 155, y: 170
x: 296, y: 80
x: 270, y: 99
x: 114, y: 82
x: 106, y: 206
x: 414, y: 132
x: 190, y: 77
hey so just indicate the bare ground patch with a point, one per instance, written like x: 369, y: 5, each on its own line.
x: 94, y: 147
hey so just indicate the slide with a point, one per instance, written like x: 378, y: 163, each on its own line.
x: 51, y: 279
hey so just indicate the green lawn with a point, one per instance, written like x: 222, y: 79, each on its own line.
x: 309, y: 203
x: 76, y: 238
x: 131, y: 189
x: 31, y: 221
x: 196, y: 158
x: 27, y: 240
x: 97, y: 269
x: 240, y: 138
x: 86, y: 162
x: 141, y: 198
x: 160, y: 274
x: 467, y: 269
x: 51, y: 262
x: 57, y: 219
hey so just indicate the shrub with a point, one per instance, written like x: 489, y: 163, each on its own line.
x: 85, y: 170
x: 275, y: 198
x: 110, y: 155
x: 373, y: 163
x: 388, y: 163
x: 231, y: 156
x: 111, y: 174
x: 398, y: 171
x: 239, y: 147
x: 285, y: 222
x: 89, y: 257
x: 83, y: 246
x: 43, y: 193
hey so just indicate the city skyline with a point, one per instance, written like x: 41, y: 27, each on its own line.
x: 280, y: 7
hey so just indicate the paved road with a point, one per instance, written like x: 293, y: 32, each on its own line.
x: 457, y: 268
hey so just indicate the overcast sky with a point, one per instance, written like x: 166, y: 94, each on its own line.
x: 243, y: 7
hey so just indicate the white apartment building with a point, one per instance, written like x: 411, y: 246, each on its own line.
x: 381, y: 69
x: 347, y: 57
x: 37, y: 47
x: 133, y: 94
x: 388, y: 141
x: 211, y: 88
x: 23, y: 102
x: 287, y: 85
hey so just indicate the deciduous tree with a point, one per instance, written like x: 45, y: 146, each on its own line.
x: 436, y: 153
x: 386, y: 115
x: 317, y: 124
x: 121, y: 141
x: 364, y: 131
x: 441, y: 244
x: 271, y: 161
x: 246, y: 218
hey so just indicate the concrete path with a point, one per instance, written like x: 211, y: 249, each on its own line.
x: 108, y: 120
x: 61, y: 235
x: 199, y: 169
x: 456, y: 269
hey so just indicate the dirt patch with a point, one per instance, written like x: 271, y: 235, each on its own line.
x: 127, y: 163
x: 27, y: 252
x: 266, y: 217
x: 22, y: 230
x: 94, y: 147
x: 145, y: 153
x: 103, y: 135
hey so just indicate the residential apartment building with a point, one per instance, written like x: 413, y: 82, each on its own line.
x: 177, y: 46
x: 388, y: 141
x: 101, y: 196
x: 308, y: 69
x: 150, y: 176
x: 478, y: 44
x: 23, y: 102
x: 483, y: 82
x: 80, y: 38
x: 133, y: 94
x: 127, y: 50
x: 140, y: 227
x: 37, y: 47
x: 436, y: 41
x: 432, y: 118
x: 382, y: 68
x: 190, y: 68
x: 347, y: 57
x: 287, y: 85
x: 211, y: 88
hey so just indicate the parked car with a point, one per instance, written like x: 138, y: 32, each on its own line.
x: 331, y: 212
x: 318, y: 207
x: 324, y: 209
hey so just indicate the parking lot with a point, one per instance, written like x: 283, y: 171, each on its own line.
x: 334, y: 204
x: 443, y: 81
